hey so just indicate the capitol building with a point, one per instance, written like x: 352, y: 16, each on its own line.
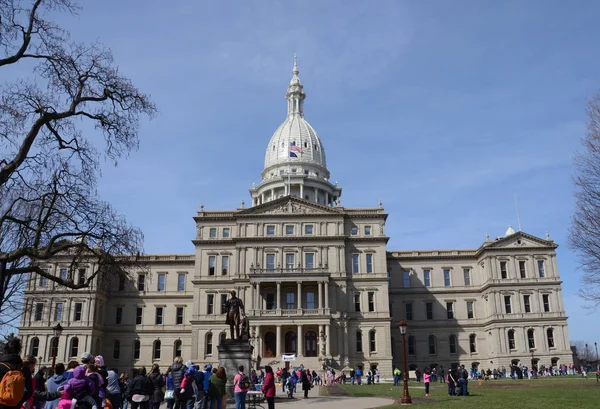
x: 319, y: 284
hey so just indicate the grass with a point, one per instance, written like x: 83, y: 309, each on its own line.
x: 543, y: 393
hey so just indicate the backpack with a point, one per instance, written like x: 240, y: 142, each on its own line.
x: 245, y: 382
x: 12, y: 387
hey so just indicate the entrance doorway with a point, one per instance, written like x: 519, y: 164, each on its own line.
x: 270, y: 345
x: 310, y: 344
x: 290, y: 342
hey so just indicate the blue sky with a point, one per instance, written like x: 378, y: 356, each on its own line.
x: 443, y: 110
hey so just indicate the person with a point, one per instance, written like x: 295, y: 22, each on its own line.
x: 463, y: 381
x: 113, y: 388
x: 240, y: 388
x: 199, y: 379
x: 306, y: 384
x: 358, y: 375
x: 158, y: 384
x: 54, y: 382
x: 140, y: 389
x: 396, y: 374
x: 124, y: 382
x: 89, y: 361
x: 40, y: 384
x: 441, y: 374
x: 170, y: 393
x: 216, y: 389
x: 11, y: 362
x: 207, y: 374
x: 377, y: 374
x: 352, y: 376
x: 426, y: 379
x: 452, y: 381
x: 268, y: 388
x: 187, y: 389
x: 80, y: 389
x: 178, y: 372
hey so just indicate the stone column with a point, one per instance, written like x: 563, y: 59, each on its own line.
x: 328, y: 341
x: 327, y: 198
x: 258, y: 303
x: 316, y: 195
x: 320, y: 342
x: 278, y: 303
x: 252, y: 297
x: 300, y: 341
x: 319, y: 284
x: 346, y: 350
x: 278, y: 344
x: 299, y: 304
x: 326, y: 291
x: 302, y: 190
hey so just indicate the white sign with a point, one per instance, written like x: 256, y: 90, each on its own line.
x: 288, y: 357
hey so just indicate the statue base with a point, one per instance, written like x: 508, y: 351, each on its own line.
x: 233, y: 353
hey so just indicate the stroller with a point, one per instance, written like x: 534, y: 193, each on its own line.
x: 289, y: 387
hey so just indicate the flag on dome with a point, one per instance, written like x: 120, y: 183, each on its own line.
x: 293, y: 155
x: 293, y: 149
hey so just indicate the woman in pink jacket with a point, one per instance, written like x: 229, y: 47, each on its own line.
x: 268, y: 388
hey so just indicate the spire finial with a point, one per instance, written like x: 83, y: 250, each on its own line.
x: 295, y: 70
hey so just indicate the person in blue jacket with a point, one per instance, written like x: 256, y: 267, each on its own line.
x: 207, y: 374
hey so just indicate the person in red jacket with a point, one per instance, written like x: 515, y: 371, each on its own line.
x: 268, y: 388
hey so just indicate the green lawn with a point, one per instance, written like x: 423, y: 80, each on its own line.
x: 546, y: 393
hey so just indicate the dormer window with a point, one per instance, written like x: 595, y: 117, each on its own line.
x: 354, y: 231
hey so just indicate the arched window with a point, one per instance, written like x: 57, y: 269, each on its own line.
x: 359, y: 341
x: 310, y: 343
x: 156, y: 350
x: 136, y: 349
x: 209, y: 344
x: 372, y: 341
x: 116, y: 349
x: 550, y: 336
x: 452, y: 343
x: 511, y: 339
x: 412, y: 345
x: 54, y: 346
x: 177, y: 349
x: 35, y: 347
x: 270, y: 345
x: 74, y: 349
x: 290, y: 342
x: 222, y: 338
x: 531, y: 338
x: 432, y: 348
x: 472, y: 343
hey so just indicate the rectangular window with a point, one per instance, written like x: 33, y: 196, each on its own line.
x: 138, y: 315
x: 357, y: 302
x: 39, y: 311
x: 429, y: 310
x: 467, y: 276
x: 408, y: 309
x: 122, y: 283
x: 119, y: 315
x: 289, y: 229
x: 289, y: 261
x: 546, y: 302
x: 141, y: 284
x: 310, y: 301
x: 308, y: 229
x: 522, y: 269
x: 541, y: 268
x: 507, y: 308
x: 290, y: 299
x: 354, y: 231
x: 179, y: 316
x: 159, y: 316
x: 309, y: 260
x: 527, y: 303
x: 212, y: 233
x: 223, y: 303
x: 503, y: 271
x: 447, y: 277
x: 44, y: 280
x: 450, y: 310
x: 181, y: 282
x: 224, y: 265
x: 270, y: 261
x: 427, y: 278
x: 406, y: 276
x: 162, y: 278
x: 64, y: 274
x: 81, y: 279
x: 371, y: 298
x: 367, y: 230
x: 210, y: 308
x: 58, y: 311
x: 136, y: 350
x: 270, y: 230
x: 271, y: 301
x: 369, y: 258
x: 470, y: 313
x: 78, y: 309
x: 355, y: 264
x: 212, y: 260
x: 226, y: 232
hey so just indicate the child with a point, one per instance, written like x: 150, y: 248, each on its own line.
x: 426, y: 378
x: 78, y: 391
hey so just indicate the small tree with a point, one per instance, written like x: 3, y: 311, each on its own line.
x: 585, y: 230
x: 49, y: 164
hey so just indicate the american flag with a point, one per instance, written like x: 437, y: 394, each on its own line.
x: 294, y: 148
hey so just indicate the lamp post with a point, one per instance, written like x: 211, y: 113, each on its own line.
x: 587, y: 357
x: 533, y: 368
x: 597, y: 365
x: 323, y: 338
x: 406, y: 400
x: 58, y: 329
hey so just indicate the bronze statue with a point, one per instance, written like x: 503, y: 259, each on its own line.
x: 235, y: 315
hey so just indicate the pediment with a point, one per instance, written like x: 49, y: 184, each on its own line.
x: 288, y: 206
x: 521, y: 239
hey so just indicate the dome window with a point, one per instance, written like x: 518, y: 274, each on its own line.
x: 306, y: 144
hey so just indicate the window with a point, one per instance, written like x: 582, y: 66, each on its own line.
x: 270, y: 230
x: 522, y: 270
x: 308, y: 229
x: 546, y: 302
x: 367, y: 230
x: 354, y: 231
x: 447, y: 277
x: 161, y: 282
x: 371, y: 298
x: 64, y: 274
x: 179, y: 316
x: 467, y: 276
x: 122, y: 283
x: 507, y: 308
x: 270, y: 261
x: 177, y: 349
x: 81, y: 277
x: 271, y: 301
x: 472, y: 343
x: 427, y: 278
x: 209, y: 343
x: 531, y: 338
x: 39, y: 311
x: 290, y: 299
x: 289, y: 229
x: 411, y: 345
x: 78, y: 309
x: 309, y: 260
x: 212, y: 233
x: 470, y: 313
x: 550, y: 337
x: 450, y: 310
x: 429, y: 310
x: 503, y: 272
x: 138, y: 315
x: 58, y: 311
x: 290, y: 261
x: 74, y: 350
x: 226, y: 232
x: 369, y: 258
x: 223, y: 303
x: 224, y: 265
x: 44, y: 280
x: 511, y: 339
x: 136, y: 349
x: 310, y: 301
x: 212, y: 260
x: 408, y: 310
x: 116, y: 349
x: 35, y: 347
x: 527, y: 303
x: 541, y: 268
x: 181, y: 282
x: 119, y: 315
x: 406, y: 276
x: 141, y: 282
x: 432, y: 348
x: 159, y: 316
x: 156, y: 350
x: 355, y: 264
x: 359, y: 341
x: 452, y: 344
x: 357, y: 302
x: 372, y: 341
x: 210, y: 308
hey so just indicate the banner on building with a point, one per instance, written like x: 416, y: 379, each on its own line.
x: 288, y: 357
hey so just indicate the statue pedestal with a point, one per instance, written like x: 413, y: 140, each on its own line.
x: 233, y: 353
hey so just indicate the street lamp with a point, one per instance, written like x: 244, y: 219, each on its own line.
x: 596, y: 346
x: 58, y: 329
x: 406, y: 400
x: 533, y: 368
x: 323, y: 338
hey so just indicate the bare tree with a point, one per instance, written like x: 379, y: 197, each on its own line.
x: 585, y: 230
x: 49, y: 164
x: 584, y: 351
